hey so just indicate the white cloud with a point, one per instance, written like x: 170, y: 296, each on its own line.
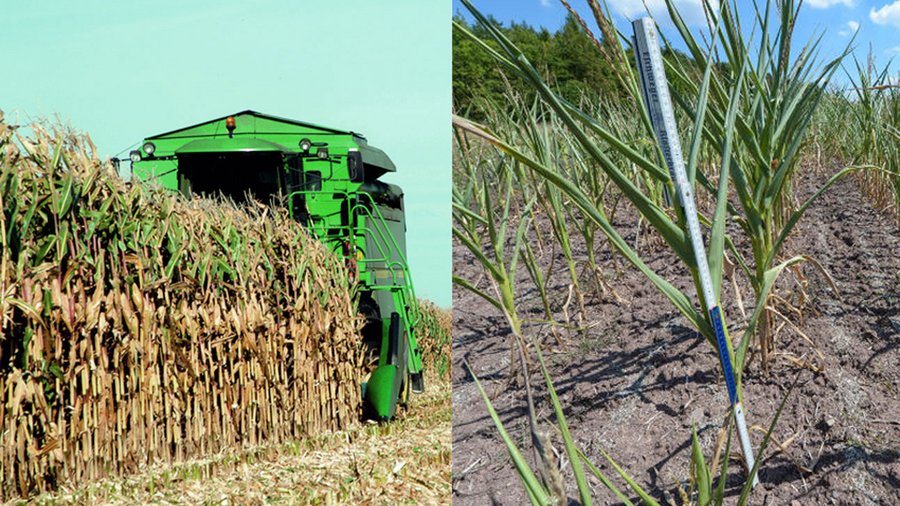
x: 892, y: 50
x: 852, y: 27
x: 545, y: 3
x: 888, y: 14
x: 691, y: 10
x: 824, y: 4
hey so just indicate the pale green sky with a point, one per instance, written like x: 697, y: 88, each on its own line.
x: 125, y: 70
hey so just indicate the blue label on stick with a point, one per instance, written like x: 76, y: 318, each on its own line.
x: 715, y: 316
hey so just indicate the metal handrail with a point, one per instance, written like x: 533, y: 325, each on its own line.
x: 384, y: 241
x: 412, y: 302
x: 380, y: 242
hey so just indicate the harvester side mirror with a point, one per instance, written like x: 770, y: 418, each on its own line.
x: 355, y: 166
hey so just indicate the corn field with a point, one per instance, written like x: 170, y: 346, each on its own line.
x: 434, y: 334
x: 140, y: 328
x: 874, y: 134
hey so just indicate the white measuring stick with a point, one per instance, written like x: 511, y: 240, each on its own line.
x: 659, y: 104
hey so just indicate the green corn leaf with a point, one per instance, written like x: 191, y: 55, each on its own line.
x: 26, y: 342
x: 42, y: 250
x: 719, y: 493
x: 701, y: 471
x: 28, y: 309
x: 633, y: 485
x: 716, y: 257
x: 67, y: 197
x: 520, y: 235
x: 748, y: 485
x: 474, y: 289
x: 477, y: 251
x: 57, y: 152
x: 466, y: 212
x: 605, y: 480
x: 699, y: 117
x: 577, y: 469
x: 533, y: 486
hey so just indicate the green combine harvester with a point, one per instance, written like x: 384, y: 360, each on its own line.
x: 330, y: 182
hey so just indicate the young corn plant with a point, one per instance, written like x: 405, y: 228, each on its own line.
x: 830, y: 134
x: 578, y: 167
x: 483, y: 222
x: 548, y: 202
x: 484, y: 226
x: 876, y: 115
x: 782, y: 95
x: 543, y: 144
x: 752, y: 105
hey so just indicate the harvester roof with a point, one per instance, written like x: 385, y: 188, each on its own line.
x: 258, y: 122
x: 254, y: 131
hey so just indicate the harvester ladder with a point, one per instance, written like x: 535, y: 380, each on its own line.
x: 389, y: 257
x: 394, y: 261
x: 389, y: 252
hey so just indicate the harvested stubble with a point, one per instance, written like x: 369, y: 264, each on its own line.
x: 141, y: 328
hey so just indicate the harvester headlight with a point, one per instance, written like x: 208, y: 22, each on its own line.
x: 305, y: 144
x: 322, y: 153
x: 135, y: 156
x: 149, y: 148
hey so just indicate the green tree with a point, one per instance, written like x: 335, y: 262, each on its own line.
x: 577, y: 66
x: 567, y: 57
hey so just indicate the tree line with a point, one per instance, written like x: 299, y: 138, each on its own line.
x: 566, y: 57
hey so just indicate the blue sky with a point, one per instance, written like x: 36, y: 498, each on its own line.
x: 878, y: 21
x: 125, y: 70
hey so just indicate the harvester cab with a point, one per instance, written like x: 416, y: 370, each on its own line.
x: 330, y: 181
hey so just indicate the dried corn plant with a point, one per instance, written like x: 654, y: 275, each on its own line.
x: 138, y: 327
x: 434, y: 334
